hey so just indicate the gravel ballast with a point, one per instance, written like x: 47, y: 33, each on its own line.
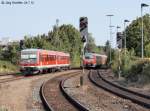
x: 97, y: 99
x: 23, y: 95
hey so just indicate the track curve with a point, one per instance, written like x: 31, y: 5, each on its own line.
x: 77, y: 104
x: 99, y: 81
x: 58, y: 100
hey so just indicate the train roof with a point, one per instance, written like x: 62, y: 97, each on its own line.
x: 96, y: 54
x: 30, y: 50
x: 46, y: 51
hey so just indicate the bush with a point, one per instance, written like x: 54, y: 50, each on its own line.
x: 132, y: 68
x: 125, y: 62
x: 140, y: 72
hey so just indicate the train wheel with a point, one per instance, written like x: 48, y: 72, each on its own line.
x: 49, y: 70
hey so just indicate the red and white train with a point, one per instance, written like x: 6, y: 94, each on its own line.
x: 93, y: 60
x: 42, y: 61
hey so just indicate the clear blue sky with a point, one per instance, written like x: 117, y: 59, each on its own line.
x: 19, y: 20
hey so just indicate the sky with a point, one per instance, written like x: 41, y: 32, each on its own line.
x: 18, y: 20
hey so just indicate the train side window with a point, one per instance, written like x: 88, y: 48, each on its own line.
x: 61, y: 57
x: 54, y: 57
x: 46, y: 57
x: 40, y: 57
x: 51, y: 58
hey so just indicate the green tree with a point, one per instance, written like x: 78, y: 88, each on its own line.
x: 91, y: 43
x: 91, y: 46
x: 70, y: 42
x: 133, y: 35
x: 65, y: 38
x: 147, y: 49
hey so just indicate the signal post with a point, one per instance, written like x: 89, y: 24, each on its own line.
x: 119, y: 45
x: 84, y: 35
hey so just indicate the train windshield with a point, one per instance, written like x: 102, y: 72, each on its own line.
x: 88, y: 56
x: 30, y: 58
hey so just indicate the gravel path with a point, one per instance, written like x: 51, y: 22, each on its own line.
x: 23, y: 95
x: 97, y: 99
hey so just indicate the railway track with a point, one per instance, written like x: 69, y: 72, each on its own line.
x: 9, y: 78
x: 6, y: 74
x: 55, y: 97
x: 141, y: 99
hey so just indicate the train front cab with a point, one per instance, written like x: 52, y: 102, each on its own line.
x: 29, y: 62
x: 89, y: 60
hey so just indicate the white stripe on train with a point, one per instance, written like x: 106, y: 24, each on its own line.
x: 48, y: 66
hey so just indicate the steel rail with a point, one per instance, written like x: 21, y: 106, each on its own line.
x: 72, y: 100
x: 47, y: 106
x: 11, y: 79
x: 118, y: 90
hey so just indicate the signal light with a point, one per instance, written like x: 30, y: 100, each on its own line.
x: 21, y: 44
x: 83, y: 39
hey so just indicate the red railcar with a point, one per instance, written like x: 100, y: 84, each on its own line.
x: 94, y: 60
x: 41, y: 61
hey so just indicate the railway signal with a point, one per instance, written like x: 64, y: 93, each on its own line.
x: 83, y: 28
x: 21, y: 44
x: 119, y: 39
x: 119, y: 45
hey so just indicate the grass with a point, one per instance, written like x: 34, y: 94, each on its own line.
x: 3, y: 109
x: 7, y: 67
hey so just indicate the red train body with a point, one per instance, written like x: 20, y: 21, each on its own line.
x: 40, y: 61
x: 94, y: 60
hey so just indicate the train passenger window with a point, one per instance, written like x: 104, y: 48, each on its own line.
x: 40, y: 58
x: 43, y: 58
x: 24, y: 56
x: 51, y: 57
x: 54, y: 57
x: 32, y: 56
x: 88, y: 56
x: 57, y: 57
x: 47, y: 59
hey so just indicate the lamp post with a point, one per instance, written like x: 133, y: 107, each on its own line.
x: 125, y: 44
x: 110, y: 28
x: 142, y: 5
